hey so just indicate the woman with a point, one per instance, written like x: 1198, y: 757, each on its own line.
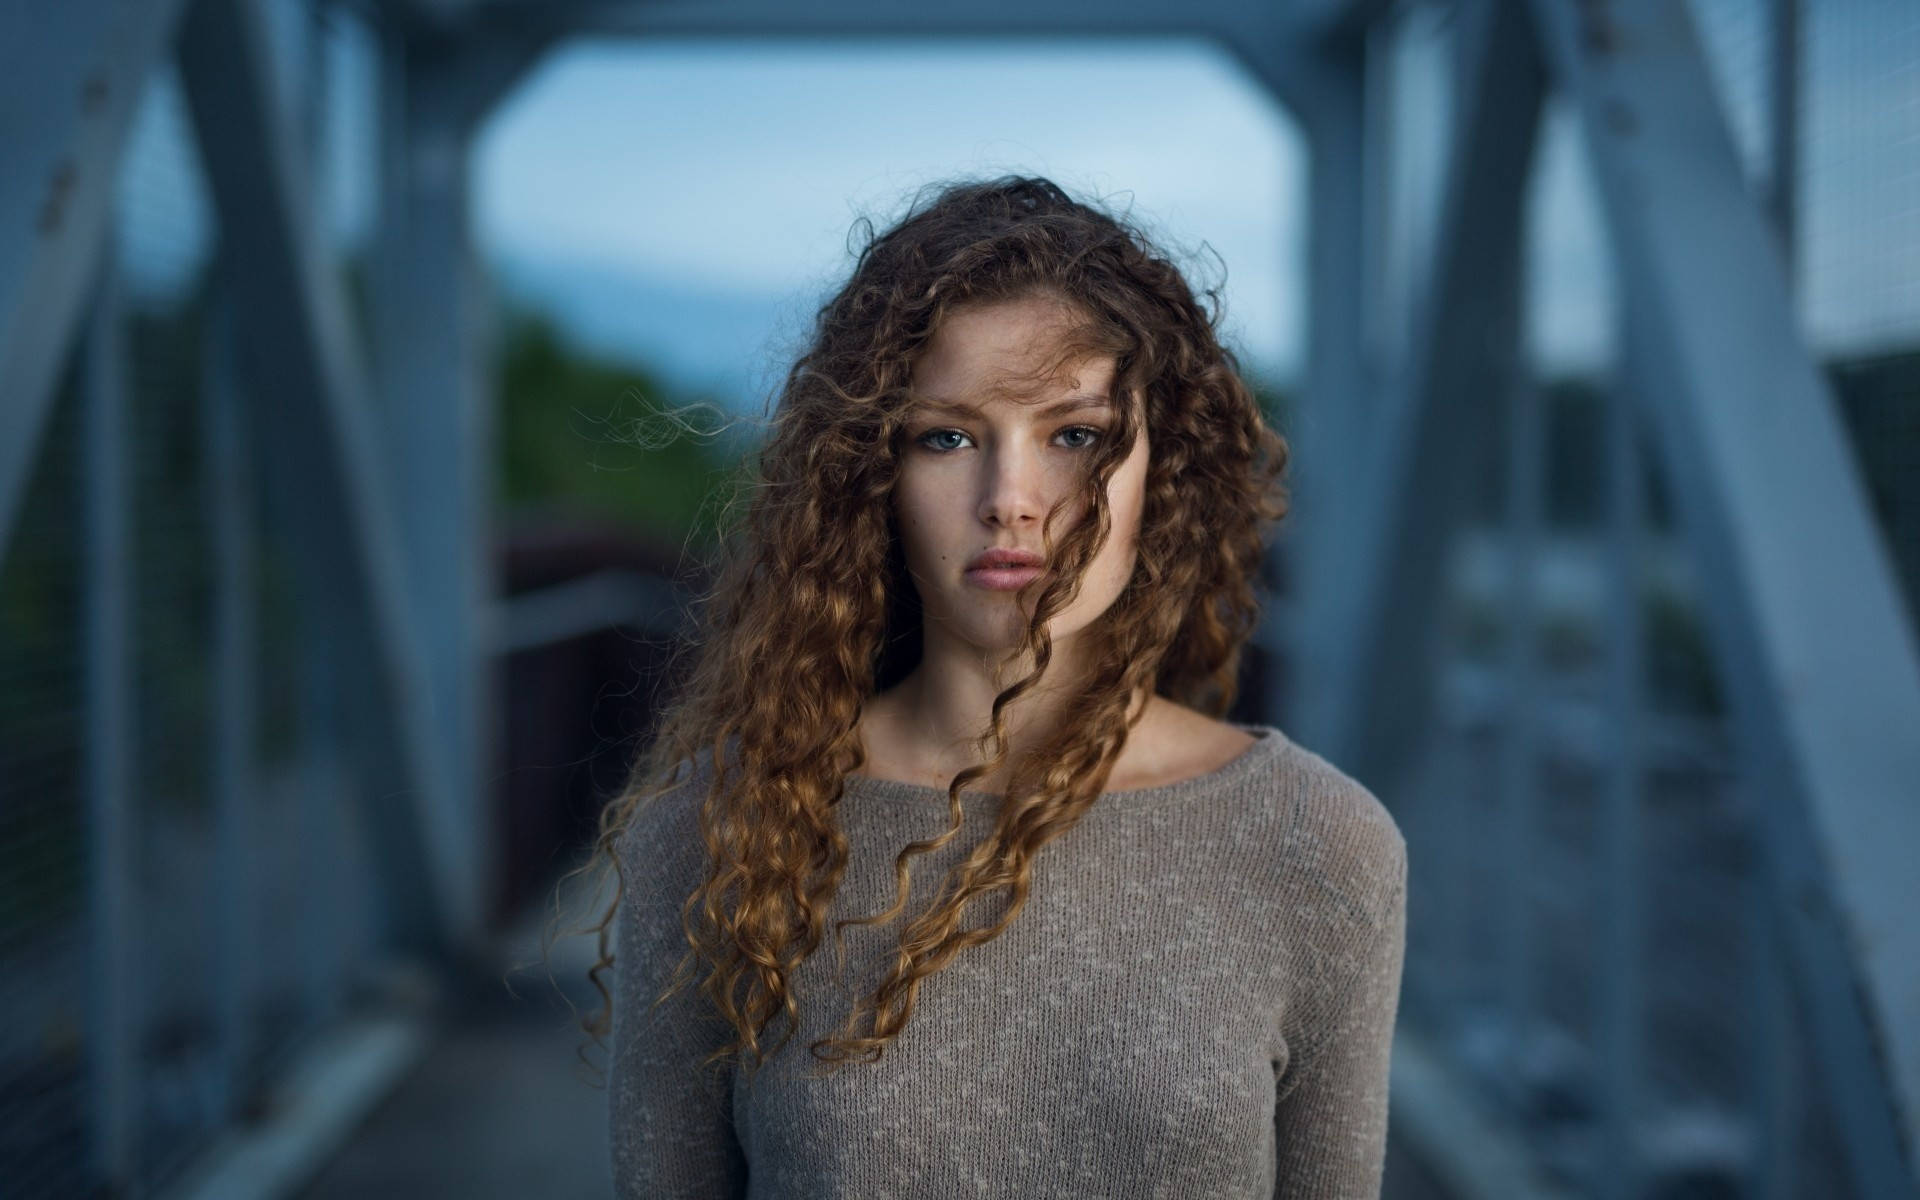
x: 965, y: 665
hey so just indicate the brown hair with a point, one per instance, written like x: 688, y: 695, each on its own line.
x: 812, y: 612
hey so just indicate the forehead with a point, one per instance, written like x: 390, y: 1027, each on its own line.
x: 1015, y: 351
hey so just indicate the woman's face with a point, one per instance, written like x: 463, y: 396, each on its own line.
x: 1001, y: 429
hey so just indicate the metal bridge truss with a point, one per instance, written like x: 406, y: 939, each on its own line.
x: 387, y: 445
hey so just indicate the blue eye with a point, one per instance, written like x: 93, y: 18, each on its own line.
x: 926, y: 439
x: 1089, y: 437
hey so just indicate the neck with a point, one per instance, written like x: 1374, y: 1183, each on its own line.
x: 935, y: 714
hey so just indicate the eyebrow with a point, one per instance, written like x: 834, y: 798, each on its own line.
x: 1070, y: 404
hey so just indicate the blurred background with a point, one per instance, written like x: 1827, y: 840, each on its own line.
x: 371, y: 370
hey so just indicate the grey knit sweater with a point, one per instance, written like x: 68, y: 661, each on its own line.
x: 1198, y: 1000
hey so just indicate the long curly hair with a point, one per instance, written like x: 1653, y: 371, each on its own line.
x: 811, y: 611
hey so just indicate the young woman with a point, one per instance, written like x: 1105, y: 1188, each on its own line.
x: 957, y: 696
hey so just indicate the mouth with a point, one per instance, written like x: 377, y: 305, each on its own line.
x: 1004, y: 569
x: 1003, y: 578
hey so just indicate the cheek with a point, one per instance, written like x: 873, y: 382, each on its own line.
x: 1126, y: 500
x: 915, y: 519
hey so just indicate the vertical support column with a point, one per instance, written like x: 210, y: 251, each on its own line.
x: 434, y: 374
x: 1617, y: 1168
x: 1329, y: 438
x: 437, y: 425
x: 113, y: 1021
x: 1519, y: 760
x: 1783, y: 114
x: 1379, y: 149
x: 228, y: 513
x: 1378, y: 624
x: 323, y: 796
x: 319, y: 85
x: 1774, y: 1041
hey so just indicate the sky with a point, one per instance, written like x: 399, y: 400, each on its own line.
x: 686, y: 203
x: 744, y: 167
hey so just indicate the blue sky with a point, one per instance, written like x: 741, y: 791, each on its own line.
x: 742, y: 167
x: 735, y: 168
x: 687, y: 203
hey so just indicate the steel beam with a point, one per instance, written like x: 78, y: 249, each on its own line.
x: 1333, y: 415
x: 456, y: 76
x: 1379, y: 620
x: 1617, y: 1173
x: 113, y: 1039
x: 1822, y: 669
x: 1248, y: 30
x: 1340, y: 18
x: 852, y: 18
x: 304, y: 371
x: 1523, y: 713
x: 71, y: 78
x: 1783, y: 126
x: 228, y: 510
x: 431, y: 336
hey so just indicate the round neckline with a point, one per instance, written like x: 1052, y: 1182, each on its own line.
x: 1267, y: 742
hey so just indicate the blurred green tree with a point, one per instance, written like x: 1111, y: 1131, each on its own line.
x: 581, y: 434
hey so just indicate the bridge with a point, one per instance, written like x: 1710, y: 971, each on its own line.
x: 1659, y: 767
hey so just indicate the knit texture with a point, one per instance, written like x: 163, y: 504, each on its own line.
x: 1197, y: 1000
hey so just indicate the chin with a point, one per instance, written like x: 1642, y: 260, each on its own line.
x: 1063, y: 634
x: 997, y: 626
x: 1003, y: 639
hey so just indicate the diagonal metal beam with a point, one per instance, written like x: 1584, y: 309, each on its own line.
x: 306, y: 375
x: 1823, y: 671
x: 71, y: 78
x: 1378, y: 614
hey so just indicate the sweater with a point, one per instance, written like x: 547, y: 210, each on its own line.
x: 1197, y: 1000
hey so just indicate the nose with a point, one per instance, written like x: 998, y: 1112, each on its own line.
x: 1013, y: 490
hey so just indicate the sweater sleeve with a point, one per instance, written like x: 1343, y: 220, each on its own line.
x: 671, y: 1121
x: 1330, y: 1115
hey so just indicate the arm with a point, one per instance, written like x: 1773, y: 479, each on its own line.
x: 671, y: 1123
x: 1330, y: 1117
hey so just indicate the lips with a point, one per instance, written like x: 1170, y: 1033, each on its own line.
x: 1004, y: 570
x: 1005, y: 558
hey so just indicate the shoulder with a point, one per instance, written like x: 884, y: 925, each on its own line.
x: 661, y: 848
x: 1341, y: 844
x: 1339, y: 874
x: 1174, y: 743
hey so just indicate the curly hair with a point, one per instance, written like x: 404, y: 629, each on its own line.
x: 811, y: 611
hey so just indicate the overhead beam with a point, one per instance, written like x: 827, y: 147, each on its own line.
x: 850, y: 17
x: 460, y: 68
x: 304, y: 372
x: 1236, y: 25
x: 1822, y: 669
x: 1380, y: 601
x: 1340, y: 18
x: 71, y: 78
